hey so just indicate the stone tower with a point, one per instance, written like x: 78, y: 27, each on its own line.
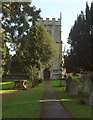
x: 55, y: 29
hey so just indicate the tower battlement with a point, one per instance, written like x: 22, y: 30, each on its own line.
x: 50, y: 22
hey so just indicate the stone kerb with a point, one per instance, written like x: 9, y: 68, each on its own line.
x: 73, y: 91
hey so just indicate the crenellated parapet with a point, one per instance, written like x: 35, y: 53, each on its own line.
x: 50, y: 22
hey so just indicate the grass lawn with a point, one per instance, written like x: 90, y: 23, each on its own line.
x: 24, y: 103
x: 10, y: 84
x: 79, y: 111
x: 6, y: 87
x: 77, y: 78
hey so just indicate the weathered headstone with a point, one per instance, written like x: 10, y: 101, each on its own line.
x: 91, y: 91
x: 91, y: 95
x: 62, y: 82
x: 86, y: 86
x: 68, y: 80
x: 73, y: 88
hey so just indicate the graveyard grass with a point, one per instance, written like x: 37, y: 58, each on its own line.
x: 24, y: 103
x: 8, y: 85
x: 79, y: 111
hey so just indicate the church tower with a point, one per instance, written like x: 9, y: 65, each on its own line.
x: 55, y: 30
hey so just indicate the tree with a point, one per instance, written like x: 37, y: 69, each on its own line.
x: 15, y: 20
x: 79, y: 39
x: 91, y: 31
x: 17, y: 67
x: 5, y: 58
x: 38, y: 52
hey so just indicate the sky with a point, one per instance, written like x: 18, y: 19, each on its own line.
x: 69, y: 9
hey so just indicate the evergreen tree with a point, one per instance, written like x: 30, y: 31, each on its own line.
x: 15, y: 20
x: 79, y: 39
x: 91, y: 31
x: 37, y: 52
x: 17, y: 67
x: 5, y: 58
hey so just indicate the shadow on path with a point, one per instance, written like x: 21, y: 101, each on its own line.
x: 52, y: 108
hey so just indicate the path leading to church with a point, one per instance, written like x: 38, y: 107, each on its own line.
x: 51, y: 107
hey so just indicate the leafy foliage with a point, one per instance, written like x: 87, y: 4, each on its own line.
x: 79, y: 56
x: 5, y: 57
x: 17, y: 17
x: 16, y: 65
x: 37, y: 51
x: 16, y: 20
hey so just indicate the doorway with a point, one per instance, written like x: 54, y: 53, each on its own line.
x: 47, y: 74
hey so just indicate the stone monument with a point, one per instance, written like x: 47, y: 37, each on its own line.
x: 68, y: 81
x: 86, y: 86
x: 91, y: 91
x: 73, y: 91
x: 55, y: 30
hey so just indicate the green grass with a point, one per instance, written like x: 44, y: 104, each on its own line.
x: 79, y: 111
x: 77, y: 78
x: 24, y: 103
x: 7, y: 85
x: 10, y: 84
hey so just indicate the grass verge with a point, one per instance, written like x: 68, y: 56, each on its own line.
x: 79, y: 111
x: 23, y: 104
x: 9, y: 84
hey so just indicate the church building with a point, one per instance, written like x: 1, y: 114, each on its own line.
x: 54, y: 27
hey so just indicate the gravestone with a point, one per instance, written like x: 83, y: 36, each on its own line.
x: 62, y: 82
x: 68, y: 80
x: 86, y: 85
x: 91, y: 95
x: 91, y: 91
x: 73, y: 88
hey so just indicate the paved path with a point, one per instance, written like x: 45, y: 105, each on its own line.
x: 52, y: 109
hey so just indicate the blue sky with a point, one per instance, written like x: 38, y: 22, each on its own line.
x: 69, y: 8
